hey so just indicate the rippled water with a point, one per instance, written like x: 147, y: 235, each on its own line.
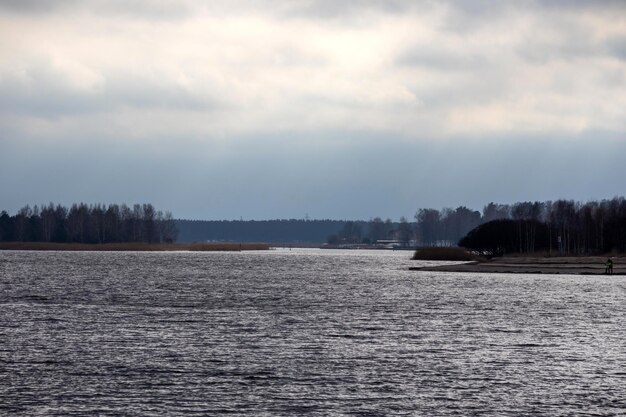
x: 306, y: 331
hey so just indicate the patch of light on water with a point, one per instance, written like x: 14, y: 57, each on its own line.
x: 303, y: 331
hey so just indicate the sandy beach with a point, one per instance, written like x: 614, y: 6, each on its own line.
x: 586, y: 265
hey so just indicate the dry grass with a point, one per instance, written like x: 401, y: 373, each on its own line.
x: 583, y: 265
x: 444, y: 254
x: 133, y: 246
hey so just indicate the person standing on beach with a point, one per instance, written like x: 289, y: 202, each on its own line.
x: 609, y: 267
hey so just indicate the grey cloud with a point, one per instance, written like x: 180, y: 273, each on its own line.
x: 38, y: 90
x: 441, y: 59
x: 177, y: 9
x: 572, y: 44
x: 474, y: 78
x: 563, y: 37
x: 463, y: 13
x: 581, y: 4
x: 142, y: 9
x: 343, y: 9
x: 134, y: 91
x: 467, y: 16
x: 476, y: 7
x: 44, y: 92
x: 547, y: 50
x: 487, y: 8
x: 346, y: 176
x: 181, y: 8
x: 36, y: 6
x: 617, y: 47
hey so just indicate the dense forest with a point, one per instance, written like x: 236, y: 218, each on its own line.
x: 271, y: 231
x: 563, y: 227
x: 82, y: 223
x: 374, y: 230
x: 445, y: 227
x: 295, y: 231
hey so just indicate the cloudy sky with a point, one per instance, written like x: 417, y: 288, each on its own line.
x: 277, y: 109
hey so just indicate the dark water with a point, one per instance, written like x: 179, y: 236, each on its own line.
x: 290, y: 333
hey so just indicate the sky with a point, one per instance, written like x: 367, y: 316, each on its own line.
x: 268, y: 109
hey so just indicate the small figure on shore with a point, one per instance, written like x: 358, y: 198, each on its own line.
x: 609, y: 267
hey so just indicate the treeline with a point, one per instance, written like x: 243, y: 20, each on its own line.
x: 564, y: 227
x: 82, y: 223
x: 445, y: 227
x: 295, y: 231
x: 370, y: 232
x: 271, y: 231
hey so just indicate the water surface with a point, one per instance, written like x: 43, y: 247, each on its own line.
x: 303, y: 331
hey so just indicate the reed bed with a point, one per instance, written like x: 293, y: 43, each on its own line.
x: 444, y: 254
x: 142, y: 247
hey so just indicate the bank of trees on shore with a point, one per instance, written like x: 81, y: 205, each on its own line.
x: 560, y: 227
x: 445, y: 227
x: 296, y: 231
x: 432, y: 227
x: 372, y: 231
x: 82, y: 223
x: 278, y: 231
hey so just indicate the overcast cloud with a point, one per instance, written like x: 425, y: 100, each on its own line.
x: 268, y: 109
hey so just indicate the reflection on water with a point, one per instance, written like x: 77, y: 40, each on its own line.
x: 302, y: 331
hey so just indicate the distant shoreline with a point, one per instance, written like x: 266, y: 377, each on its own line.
x: 130, y: 247
x: 580, y: 265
